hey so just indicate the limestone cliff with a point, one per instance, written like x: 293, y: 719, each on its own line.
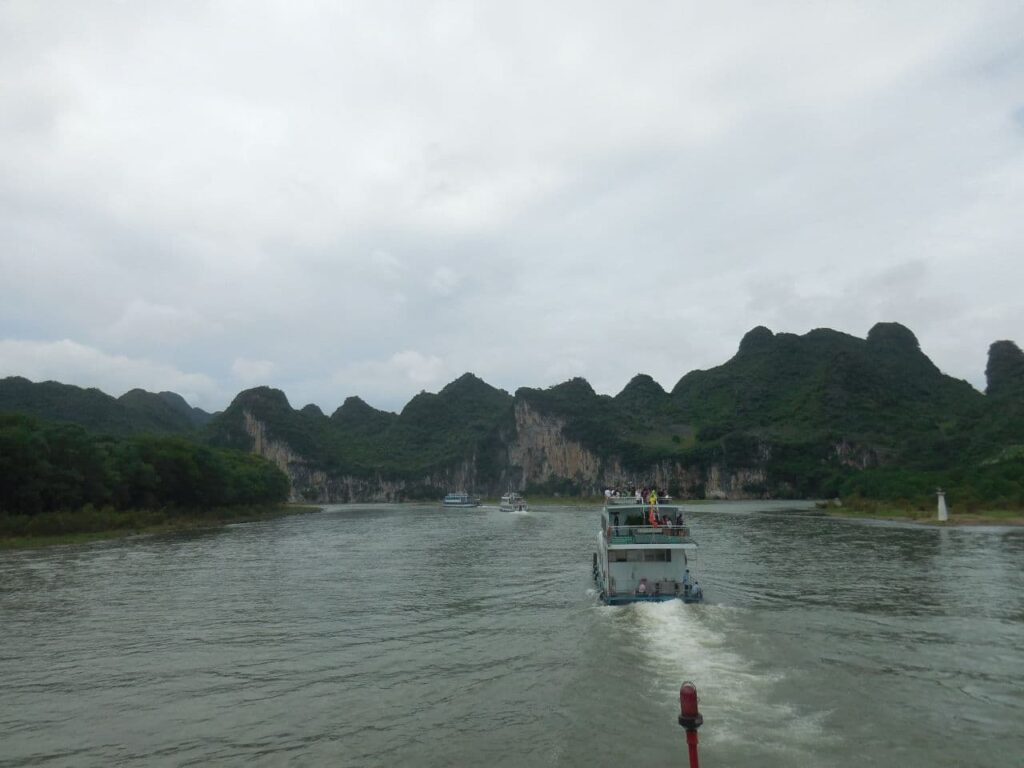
x: 542, y: 452
x: 537, y: 453
x: 314, y: 484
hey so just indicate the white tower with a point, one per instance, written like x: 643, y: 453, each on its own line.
x: 943, y: 512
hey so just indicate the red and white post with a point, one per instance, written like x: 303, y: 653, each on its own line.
x: 691, y: 719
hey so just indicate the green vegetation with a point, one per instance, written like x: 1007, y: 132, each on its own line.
x: 91, y: 524
x: 467, y: 420
x: 61, y: 478
x: 820, y: 415
x: 134, y: 413
x: 904, y: 511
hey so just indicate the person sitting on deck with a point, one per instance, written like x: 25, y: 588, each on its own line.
x: 641, y: 588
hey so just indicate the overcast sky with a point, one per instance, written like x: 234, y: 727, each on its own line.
x: 372, y: 198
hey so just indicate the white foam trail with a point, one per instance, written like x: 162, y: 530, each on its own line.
x: 682, y: 644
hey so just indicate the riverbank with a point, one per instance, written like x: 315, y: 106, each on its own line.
x: 894, y: 513
x: 864, y: 510
x: 51, y: 529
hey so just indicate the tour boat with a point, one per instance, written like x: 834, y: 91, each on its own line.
x: 512, y: 502
x: 460, y: 499
x: 639, y: 560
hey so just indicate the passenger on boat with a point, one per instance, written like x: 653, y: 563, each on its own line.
x: 679, y: 518
x: 652, y: 518
x: 638, y: 497
x: 686, y: 581
x: 653, y: 498
x: 641, y: 588
x: 696, y: 592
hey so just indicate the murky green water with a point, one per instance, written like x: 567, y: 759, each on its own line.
x: 403, y: 635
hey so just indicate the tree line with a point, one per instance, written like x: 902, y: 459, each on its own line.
x: 50, y: 467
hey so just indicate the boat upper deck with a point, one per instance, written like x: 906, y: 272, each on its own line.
x: 664, y: 536
x: 627, y: 525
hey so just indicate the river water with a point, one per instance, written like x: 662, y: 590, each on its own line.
x: 414, y: 636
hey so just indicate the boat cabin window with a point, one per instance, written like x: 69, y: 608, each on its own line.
x: 640, y: 556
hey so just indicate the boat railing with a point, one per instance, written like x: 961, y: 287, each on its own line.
x: 647, y: 534
x: 633, y: 501
x: 655, y: 589
x: 625, y: 510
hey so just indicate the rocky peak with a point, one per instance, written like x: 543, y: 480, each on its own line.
x: 756, y: 340
x: 641, y: 391
x: 1005, y: 370
x: 892, y: 337
x: 261, y: 396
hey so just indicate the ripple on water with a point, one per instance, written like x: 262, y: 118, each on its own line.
x: 402, y: 635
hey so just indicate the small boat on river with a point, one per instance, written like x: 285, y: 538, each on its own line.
x: 644, y: 553
x: 460, y: 499
x: 512, y: 502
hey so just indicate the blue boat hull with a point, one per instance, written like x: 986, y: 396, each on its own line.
x: 626, y: 599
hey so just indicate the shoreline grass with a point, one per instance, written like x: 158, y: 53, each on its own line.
x: 870, y: 510
x: 89, y: 524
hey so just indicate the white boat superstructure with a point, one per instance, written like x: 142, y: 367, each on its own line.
x: 644, y: 553
x: 512, y: 502
x: 460, y: 499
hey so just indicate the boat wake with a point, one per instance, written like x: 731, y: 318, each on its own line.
x: 681, y: 642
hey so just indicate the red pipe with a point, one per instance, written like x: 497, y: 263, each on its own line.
x: 691, y: 719
x: 691, y: 744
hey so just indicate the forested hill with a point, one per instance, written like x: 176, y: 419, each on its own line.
x: 134, y: 413
x: 433, y: 431
x: 822, y: 413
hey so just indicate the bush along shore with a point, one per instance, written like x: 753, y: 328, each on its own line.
x: 90, y: 524
x: 59, y: 481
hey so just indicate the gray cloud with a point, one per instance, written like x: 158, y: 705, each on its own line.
x: 373, y: 199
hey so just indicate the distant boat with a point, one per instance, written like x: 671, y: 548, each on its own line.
x: 512, y: 502
x: 460, y: 499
